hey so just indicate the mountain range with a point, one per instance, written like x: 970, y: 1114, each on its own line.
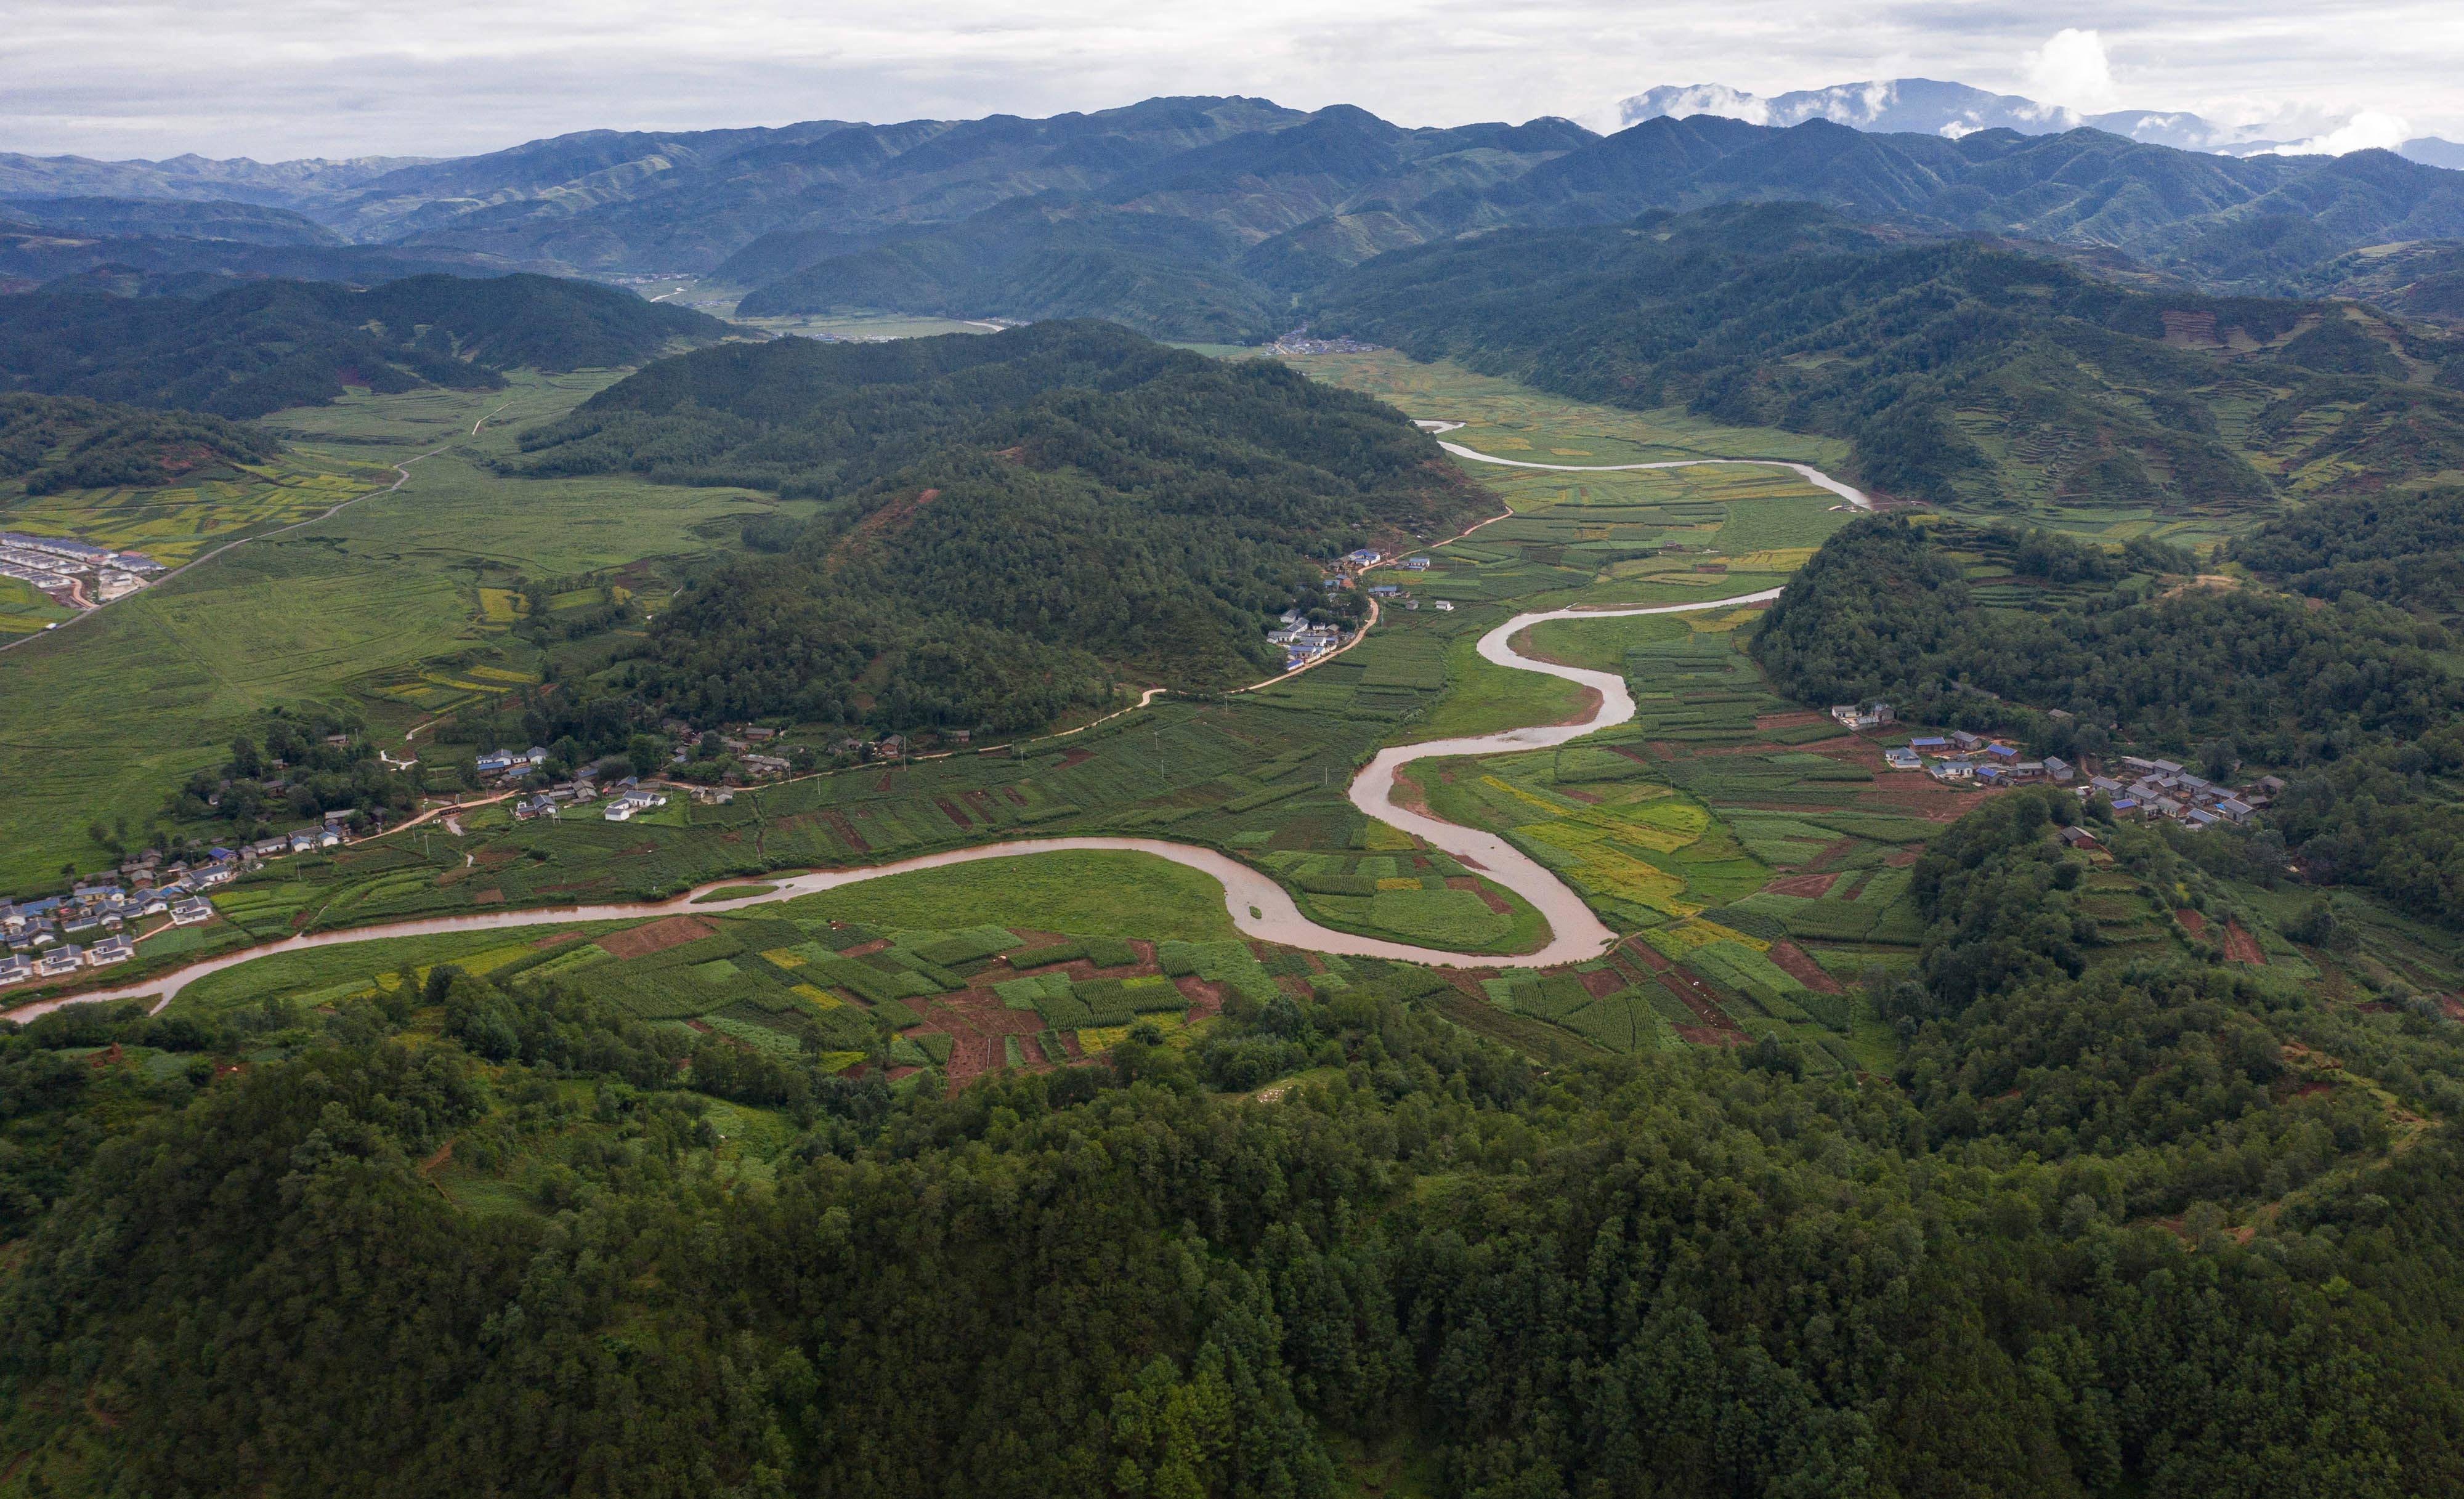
x: 1929, y: 106
x: 1210, y: 218
x: 1958, y: 373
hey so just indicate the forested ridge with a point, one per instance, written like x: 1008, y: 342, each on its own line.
x: 2001, y: 1270
x: 51, y: 443
x: 1009, y: 523
x: 1955, y: 371
x: 269, y: 344
x: 2358, y: 705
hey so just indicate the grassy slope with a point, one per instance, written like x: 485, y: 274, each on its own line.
x: 106, y: 717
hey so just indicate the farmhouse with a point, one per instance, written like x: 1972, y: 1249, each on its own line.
x: 621, y: 809
x: 191, y: 911
x: 14, y: 969
x: 110, y: 949
x: 1864, y: 715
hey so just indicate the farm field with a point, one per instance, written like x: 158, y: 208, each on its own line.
x: 386, y: 605
x: 1040, y: 963
x: 176, y: 523
x: 1515, y: 421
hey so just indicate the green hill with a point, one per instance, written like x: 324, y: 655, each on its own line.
x: 1009, y: 522
x: 51, y: 443
x: 2356, y: 704
x: 2407, y: 549
x: 261, y: 347
x: 1958, y: 372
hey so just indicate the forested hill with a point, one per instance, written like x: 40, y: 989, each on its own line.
x: 1957, y: 372
x: 2358, y: 703
x: 261, y: 347
x: 2148, y: 1225
x: 51, y: 443
x: 1012, y: 520
x: 2406, y: 548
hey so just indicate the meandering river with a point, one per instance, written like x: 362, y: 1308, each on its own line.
x: 1257, y: 905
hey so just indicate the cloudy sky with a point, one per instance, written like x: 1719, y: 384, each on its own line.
x: 341, y: 78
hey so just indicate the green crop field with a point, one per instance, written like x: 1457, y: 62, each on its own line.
x: 104, y: 719
x: 1088, y: 893
x: 1518, y: 421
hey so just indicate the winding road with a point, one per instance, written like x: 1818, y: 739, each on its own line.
x: 1257, y: 906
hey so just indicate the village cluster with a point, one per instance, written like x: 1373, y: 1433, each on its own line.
x: 90, y: 926
x: 72, y: 573
x: 1304, y: 642
x: 619, y: 801
x: 2156, y: 790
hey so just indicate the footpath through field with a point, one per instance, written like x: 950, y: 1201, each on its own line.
x: 1257, y: 906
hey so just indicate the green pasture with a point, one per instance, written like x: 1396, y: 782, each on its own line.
x: 102, y: 720
x: 1518, y: 421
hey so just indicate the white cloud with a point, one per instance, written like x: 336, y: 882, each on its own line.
x: 2071, y: 69
x: 304, y: 77
x: 2367, y: 131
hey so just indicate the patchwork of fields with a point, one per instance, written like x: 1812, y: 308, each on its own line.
x: 1757, y: 857
x: 386, y: 605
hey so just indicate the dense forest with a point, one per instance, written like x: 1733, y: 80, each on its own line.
x: 259, y: 347
x: 2405, y: 547
x: 1010, y: 523
x: 2011, y: 1267
x: 2358, y: 705
x: 1957, y: 372
x: 51, y: 443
